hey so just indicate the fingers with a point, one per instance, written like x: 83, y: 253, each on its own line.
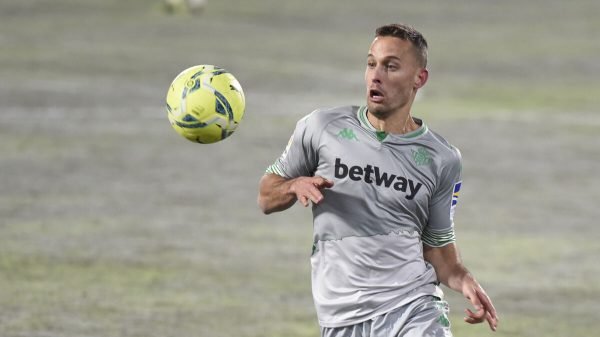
x: 308, y: 189
x: 485, y: 310
x: 323, y: 183
x: 492, y: 321
x: 303, y: 200
x: 473, y: 319
x: 314, y: 195
x: 491, y: 315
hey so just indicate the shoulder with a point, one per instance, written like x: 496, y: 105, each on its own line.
x: 312, y: 126
x: 450, y: 154
x: 324, y: 116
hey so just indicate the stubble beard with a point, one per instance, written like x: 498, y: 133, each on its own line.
x: 379, y: 112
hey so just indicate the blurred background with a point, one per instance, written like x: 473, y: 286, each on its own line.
x: 113, y: 225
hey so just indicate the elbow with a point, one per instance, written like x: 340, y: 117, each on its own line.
x: 270, y: 198
x: 263, y: 199
x: 263, y: 205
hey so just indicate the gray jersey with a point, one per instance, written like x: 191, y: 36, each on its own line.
x: 391, y: 193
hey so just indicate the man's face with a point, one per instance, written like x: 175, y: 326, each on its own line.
x: 393, y: 76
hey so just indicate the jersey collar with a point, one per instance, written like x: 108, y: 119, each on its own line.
x: 364, y: 122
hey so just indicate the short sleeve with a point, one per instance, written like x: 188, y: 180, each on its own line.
x: 300, y: 157
x: 439, y: 230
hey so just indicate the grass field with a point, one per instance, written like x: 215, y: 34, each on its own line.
x: 112, y: 225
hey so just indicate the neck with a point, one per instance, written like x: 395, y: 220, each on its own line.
x: 400, y: 123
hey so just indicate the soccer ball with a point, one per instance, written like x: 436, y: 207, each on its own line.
x: 205, y: 104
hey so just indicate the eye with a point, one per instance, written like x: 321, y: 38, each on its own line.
x: 371, y: 64
x: 392, y: 67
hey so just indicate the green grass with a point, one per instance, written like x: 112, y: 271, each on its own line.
x: 98, y: 283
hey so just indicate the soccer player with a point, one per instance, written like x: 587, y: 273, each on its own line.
x: 383, y: 188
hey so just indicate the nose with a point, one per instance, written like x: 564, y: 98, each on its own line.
x: 375, y: 74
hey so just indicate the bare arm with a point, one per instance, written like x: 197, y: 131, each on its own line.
x: 452, y: 273
x: 277, y: 193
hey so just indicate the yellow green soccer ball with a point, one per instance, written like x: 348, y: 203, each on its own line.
x: 205, y: 104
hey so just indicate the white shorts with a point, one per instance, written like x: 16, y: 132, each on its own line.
x: 424, y: 317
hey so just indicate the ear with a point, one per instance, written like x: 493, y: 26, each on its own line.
x: 421, y: 77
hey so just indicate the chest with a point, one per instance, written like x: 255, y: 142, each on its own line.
x: 400, y: 173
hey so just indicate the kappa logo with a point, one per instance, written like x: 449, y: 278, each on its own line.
x: 373, y: 175
x: 347, y: 133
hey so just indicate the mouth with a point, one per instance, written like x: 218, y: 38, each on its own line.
x: 375, y: 96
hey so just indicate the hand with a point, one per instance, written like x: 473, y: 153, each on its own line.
x: 485, y: 310
x: 309, y: 188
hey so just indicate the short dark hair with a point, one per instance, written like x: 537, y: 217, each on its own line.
x: 407, y: 33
